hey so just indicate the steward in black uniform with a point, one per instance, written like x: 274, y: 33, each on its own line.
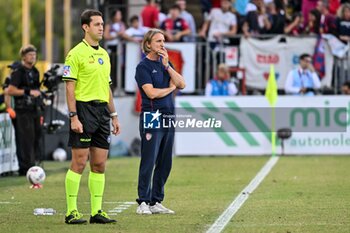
x: 24, y: 86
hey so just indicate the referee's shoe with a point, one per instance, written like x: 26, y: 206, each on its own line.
x: 75, y: 218
x: 101, y: 218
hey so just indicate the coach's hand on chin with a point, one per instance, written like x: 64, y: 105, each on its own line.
x: 76, y: 125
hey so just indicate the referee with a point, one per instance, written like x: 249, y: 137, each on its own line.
x: 90, y: 104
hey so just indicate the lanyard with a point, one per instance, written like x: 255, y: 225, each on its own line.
x: 301, y: 78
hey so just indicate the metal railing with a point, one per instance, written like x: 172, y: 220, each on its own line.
x: 207, y: 60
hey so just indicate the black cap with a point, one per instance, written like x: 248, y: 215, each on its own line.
x: 14, y: 65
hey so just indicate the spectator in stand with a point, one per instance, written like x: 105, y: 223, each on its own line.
x: 345, y: 88
x: 251, y: 24
x: 221, y: 85
x: 276, y: 16
x: 306, y: 7
x: 175, y: 27
x: 222, y: 23
x: 215, y: 4
x: 206, y: 7
x: 150, y: 15
x: 327, y: 21
x: 114, y: 30
x: 187, y: 17
x: 295, y: 5
x: 303, y: 80
x: 343, y: 23
x: 257, y: 21
x: 161, y: 16
x: 296, y: 27
x: 252, y: 6
x: 240, y: 6
x: 135, y: 32
x: 113, y: 34
x: 333, y: 6
x: 313, y: 25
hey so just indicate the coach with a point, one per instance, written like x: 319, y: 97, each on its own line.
x: 157, y: 81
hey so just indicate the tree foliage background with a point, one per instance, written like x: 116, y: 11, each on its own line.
x: 11, y: 25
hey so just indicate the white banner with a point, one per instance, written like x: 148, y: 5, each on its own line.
x: 231, y: 56
x: 8, y: 158
x: 283, y: 52
x: 327, y: 112
x: 132, y: 58
x: 181, y: 55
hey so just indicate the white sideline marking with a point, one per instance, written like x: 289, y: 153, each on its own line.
x: 8, y: 203
x: 232, y: 209
x: 123, y: 205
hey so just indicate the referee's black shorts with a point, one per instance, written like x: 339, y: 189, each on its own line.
x: 94, y: 116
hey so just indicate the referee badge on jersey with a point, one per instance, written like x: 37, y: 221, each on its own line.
x: 100, y: 61
x: 66, y: 71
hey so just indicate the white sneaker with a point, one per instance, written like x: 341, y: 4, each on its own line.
x: 143, y: 208
x: 160, y: 209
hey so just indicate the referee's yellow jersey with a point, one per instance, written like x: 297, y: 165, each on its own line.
x: 90, y: 69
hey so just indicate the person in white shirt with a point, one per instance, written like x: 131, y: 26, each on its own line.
x: 114, y: 30
x: 113, y: 34
x: 135, y: 32
x: 222, y: 23
x: 302, y: 80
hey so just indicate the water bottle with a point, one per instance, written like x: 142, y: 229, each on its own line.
x: 44, y: 211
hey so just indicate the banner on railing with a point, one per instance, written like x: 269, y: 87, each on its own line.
x: 181, y: 55
x: 283, y: 52
x: 8, y: 158
x: 320, y: 125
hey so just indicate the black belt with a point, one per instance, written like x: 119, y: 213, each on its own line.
x: 95, y: 103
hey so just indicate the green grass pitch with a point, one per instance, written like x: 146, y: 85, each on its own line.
x: 301, y: 194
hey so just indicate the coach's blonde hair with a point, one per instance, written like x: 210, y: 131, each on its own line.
x: 148, y: 38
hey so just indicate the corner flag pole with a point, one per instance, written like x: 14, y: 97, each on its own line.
x: 273, y: 132
x: 271, y: 96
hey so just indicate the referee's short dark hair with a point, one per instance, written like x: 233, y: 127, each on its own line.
x: 85, y: 17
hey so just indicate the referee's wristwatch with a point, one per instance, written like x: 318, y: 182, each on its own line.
x: 72, y: 114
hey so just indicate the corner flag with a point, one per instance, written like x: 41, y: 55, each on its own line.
x: 271, y: 87
x: 271, y: 96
